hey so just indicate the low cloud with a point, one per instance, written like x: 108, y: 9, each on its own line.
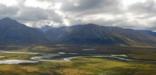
x: 7, y: 11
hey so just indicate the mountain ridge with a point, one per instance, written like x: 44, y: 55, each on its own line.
x: 111, y: 34
x: 13, y: 32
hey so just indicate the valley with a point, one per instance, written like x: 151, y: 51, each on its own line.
x: 76, y: 60
x: 77, y: 37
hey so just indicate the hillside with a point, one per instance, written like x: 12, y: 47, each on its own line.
x: 95, y: 34
x: 13, y: 32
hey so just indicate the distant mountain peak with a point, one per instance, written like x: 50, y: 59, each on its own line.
x: 91, y: 24
x: 9, y: 22
x: 7, y: 19
x: 88, y: 24
x: 14, y: 32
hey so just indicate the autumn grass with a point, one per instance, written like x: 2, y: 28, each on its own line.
x: 21, y: 56
x: 81, y: 66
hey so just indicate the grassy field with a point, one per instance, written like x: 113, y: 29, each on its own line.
x: 15, y: 56
x: 80, y: 66
x: 84, y: 65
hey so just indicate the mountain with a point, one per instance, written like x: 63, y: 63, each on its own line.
x: 95, y: 34
x: 13, y: 32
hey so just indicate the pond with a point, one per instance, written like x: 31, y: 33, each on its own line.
x: 18, y: 62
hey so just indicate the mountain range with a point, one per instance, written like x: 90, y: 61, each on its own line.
x: 13, y: 32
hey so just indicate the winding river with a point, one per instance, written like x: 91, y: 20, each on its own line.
x: 59, y: 57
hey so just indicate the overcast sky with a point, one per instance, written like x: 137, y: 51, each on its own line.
x: 137, y: 14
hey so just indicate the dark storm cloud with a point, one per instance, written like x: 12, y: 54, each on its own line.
x: 29, y: 13
x: 26, y: 14
x: 103, y: 12
x: 75, y: 7
x: 36, y: 14
x: 86, y: 7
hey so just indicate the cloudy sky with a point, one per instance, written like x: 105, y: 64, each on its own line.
x: 136, y: 14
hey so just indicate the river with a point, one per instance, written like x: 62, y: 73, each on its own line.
x: 53, y: 57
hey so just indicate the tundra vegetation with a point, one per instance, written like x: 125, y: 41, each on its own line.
x: 142, y: 61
